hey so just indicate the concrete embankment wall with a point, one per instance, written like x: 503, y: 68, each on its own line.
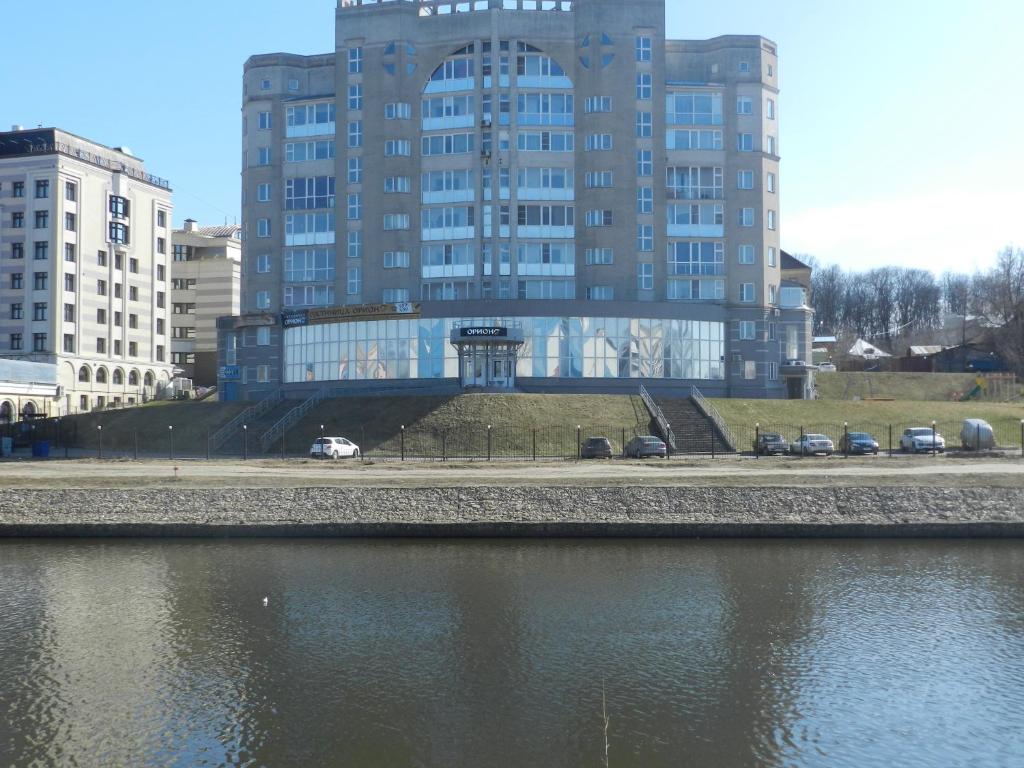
x: 520, y: 511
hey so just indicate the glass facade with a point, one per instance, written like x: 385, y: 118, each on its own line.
x: 555, y: 347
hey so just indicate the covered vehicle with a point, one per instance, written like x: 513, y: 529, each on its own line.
x: 858, y: 443
x: 645, y: 445
x: 596, y: 448
x: 770, y: 444
x: 977, y: 435
x: 922, y: 440
x: 809, y: 445
x: 333, y: 448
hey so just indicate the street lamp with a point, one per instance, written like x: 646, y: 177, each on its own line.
x: 170, y: 442
x: 846, y: 439
x: 245, y: 442
x: 757, y: 440
x: 99, y: 432
x: 934, y: 451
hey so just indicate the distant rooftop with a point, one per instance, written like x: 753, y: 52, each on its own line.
x: 448, y: 7
x: 228, y: 230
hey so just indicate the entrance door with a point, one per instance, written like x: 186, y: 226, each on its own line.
x: 501, y: 373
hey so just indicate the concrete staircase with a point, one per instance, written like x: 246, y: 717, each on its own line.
x: 694, y: 432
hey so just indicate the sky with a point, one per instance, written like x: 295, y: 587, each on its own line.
x: 900, y: 122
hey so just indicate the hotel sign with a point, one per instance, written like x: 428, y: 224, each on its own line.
x: 349, y: 314
x: 483, y: 333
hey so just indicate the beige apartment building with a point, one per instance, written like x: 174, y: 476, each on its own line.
x: 85, y: 237
x: 205, y: 284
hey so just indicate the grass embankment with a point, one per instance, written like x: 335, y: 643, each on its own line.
x: 454, y: 426
x: 898, y: 386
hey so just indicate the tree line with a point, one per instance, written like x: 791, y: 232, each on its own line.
x: 888, y: 304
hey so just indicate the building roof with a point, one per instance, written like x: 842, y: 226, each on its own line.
x: 791, y: 262
x: 229, y: 230
x: 866, y: 350
x: 925, y: 350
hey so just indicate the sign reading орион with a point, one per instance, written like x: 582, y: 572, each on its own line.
x: 486, y: 333
x: 350, y: 313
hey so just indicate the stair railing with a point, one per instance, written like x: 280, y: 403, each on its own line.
x: 290, y: 419
x: 659, y: 417
x: 708, y: 409
x: 248, y: 416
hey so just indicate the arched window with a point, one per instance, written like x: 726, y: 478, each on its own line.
x: 29, y: 410
x: 6, y: 412
x: 133, y: 379
x: 84, y: 375
x: 101, y: 375
x: 455, y: 73
x: 149, y: 378
x: 118, y: 378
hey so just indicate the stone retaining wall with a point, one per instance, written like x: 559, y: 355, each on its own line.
x: 557, y: 511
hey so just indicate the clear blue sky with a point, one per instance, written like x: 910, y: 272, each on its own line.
x: 900, y: 134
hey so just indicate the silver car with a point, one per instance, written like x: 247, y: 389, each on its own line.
x: 809, y: 445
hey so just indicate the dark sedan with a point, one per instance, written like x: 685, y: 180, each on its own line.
x: 858, y: 443
x: 644, y: 446
x: 770, y: 443
x: 596, y: 448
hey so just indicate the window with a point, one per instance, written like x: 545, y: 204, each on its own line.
x: 396, y: 221
x: 18, y: 189
x: 118, y: 233
x: 160, y: 271
x: 747, y: 293
x: 69, y: 342
x: 262, y: 300
x: 355, y: 96
x: 773, y: 297
x: 355, y: 61
x: 117, y: 290
x: 69, y: 283
x: 182, y: 252
x: 42, y: 189
x: 160, y: 299
x: 18, y: 250
x: 355, y: 170
x: 643, y: 48
x: 645, y: 277
x: 17, y: 311
x: 744, y: 105
x: 117, y: 319
x: 693, y: 108
x: 301, y: 151
x: 770, y: 184
x: 264, y: 118
x: 644, y: 125
x: 746, y: 254
x: 161, y: 219
x: 101, y: 287
x: 293, y: 84
x: 600, y: 256
x: 598, y: 179
x: 17, y: 220
x: 746, y: 217
x: 38, y: 342
x: 355, y: 134
x: 40, y: 281
x: 263, y: 156
x: 395, y: 295
x: 354, y: 210
x: 120, y: 207
x: 16, y: 281
x: 451, y: 144
x: 16, y: 342
x: 744, y: 179
x: 39, y: 310
x: 305, y: 194
x: 394, y: 184
x: 644, y: 200
x: 745, y: 142
x: 263, y: 263
x: 645, y: 237
x: 644, y: 162
x: 161, y: 247
x: 545, y: 141
x: 744, y: 67
x: 748, y: 330
x: 264, y: 85
x: 355, y: 281
x: 396, y: 259
x: 42, y: 219
x: 263, y: 228
x: 397, y: 148
x: 42, y: 250
x: 101, y: 316
x: 769, y: 110
x: 771, y: 257
x: 600, y: 293
x: 643, y: 86
x: 695, y: 183
x: 598, y: 218
x: 397, y: 111
x: 133, y: 293
x: 310, y: 120
x: 263, y: 193
x: 262, y: 337
x: 355, y: 244
x: 101, y: 258
x: 770, y: 145
x: 133, y: 349
x: 693, y: 139
x: 597, y: 104
x: 69, y: 222
x: 598, y: 142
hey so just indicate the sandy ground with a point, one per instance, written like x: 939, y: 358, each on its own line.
x: 945, y: 471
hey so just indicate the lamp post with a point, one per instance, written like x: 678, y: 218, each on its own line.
x: 170, y: 442
x: 99, y: 432
x: 757, y: 440
x: 1022, y: 438
x: 934, y: 452
x: 403, y: 443
x: 488, y: 442
x: 245, y: 442
x: 579, y: 448
x: 846, y: 439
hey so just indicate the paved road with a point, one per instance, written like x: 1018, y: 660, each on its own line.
x: 307, y: 473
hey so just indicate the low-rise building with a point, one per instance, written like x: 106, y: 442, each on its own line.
x: 27, y: 390
x: 205, y: 284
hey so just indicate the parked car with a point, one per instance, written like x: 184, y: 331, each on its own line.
x: 644, y: 446
x: 812, y: 444
x: 770, y: 444
x: 333, y: 448
x: 919, y: 439
x: 596, y: 448
x: 977, y: 435
x: 827, y: 368
x: 858, y: 443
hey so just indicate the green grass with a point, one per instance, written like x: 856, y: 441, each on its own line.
x: 901, y: 386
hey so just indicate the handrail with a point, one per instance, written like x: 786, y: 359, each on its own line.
x: 659, y: 416
x: 253, y: 412
x: 709, y: 410
x: 296, y: 413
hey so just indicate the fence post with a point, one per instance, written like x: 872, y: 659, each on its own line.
x: 535, y: 441
x: 207, y: 443
x: 245, y: 442
x: 99, y: 431
x: 757, y: 440
x: 403, y: 442
x: 934, y: 452
x: 623, y: 441
x: 977, y: 444
x: 890, y: 441
x: 170, y: 442
x: 488, y: 442
x: 801, y: 441
x: 579, y: 446
x: 1022, y: 438
x: 711, y: 428
x: 362, y: 445
x: 846, y: 439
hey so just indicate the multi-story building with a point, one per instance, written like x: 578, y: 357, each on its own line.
x: 84, y: 241
x: 547, y: 195
x: 205, y: 285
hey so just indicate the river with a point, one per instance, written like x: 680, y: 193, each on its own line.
x: 508, y: 653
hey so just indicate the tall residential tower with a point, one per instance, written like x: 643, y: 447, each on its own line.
x: 545, y: 194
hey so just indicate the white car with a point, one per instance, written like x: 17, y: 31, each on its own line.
x: 811, y: 444
x: 827, y: 368
x: 333, y: 448
x: 919, y: 440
